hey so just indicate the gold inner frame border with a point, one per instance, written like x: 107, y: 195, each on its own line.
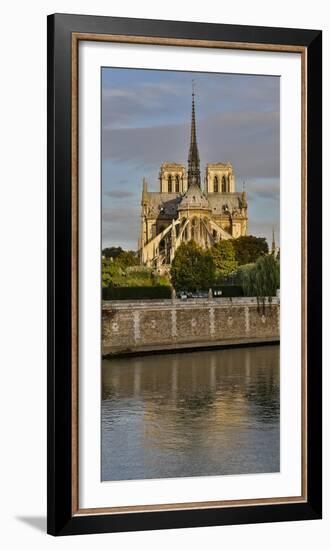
x: 76, y: 38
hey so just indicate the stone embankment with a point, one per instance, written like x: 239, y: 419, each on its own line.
x: 146, y: 326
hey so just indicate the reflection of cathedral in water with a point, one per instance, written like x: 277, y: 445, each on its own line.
x: 182, y: 211
x: 190, y: 414
x: 211, y: 386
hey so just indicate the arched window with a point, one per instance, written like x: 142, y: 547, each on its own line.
x: 216, y: 184
x: 223, y: 184
x: 194, y: 228
x: 177, y: 184
x: 170, y: 184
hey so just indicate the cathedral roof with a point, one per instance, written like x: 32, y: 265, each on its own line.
x: 219, y: 165
x: 165, y: 204
x: 173, y: 165
x: 194, y: 198
x: 168, y: 204
x: 220, y: 202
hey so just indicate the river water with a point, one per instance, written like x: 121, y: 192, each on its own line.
x: 191, y: 414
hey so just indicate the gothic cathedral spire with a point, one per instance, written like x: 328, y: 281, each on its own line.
x: 194, y: 175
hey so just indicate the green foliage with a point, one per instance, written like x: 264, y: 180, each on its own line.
x: 249, y: 248
x: 267, y: 276
x: 127, y: 259
x: 260, y: 279
x: 223, y: 254
x: 243, y: 277
x: 123, y: 271
x: 122, y: 258
x: 192, y: 268
x: 110, y: 271
x: 136, y: 293
x: 112, y: 252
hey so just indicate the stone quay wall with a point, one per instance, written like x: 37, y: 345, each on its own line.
x: 150, y: 325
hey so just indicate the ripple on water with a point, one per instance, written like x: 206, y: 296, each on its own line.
x: 202, y: 413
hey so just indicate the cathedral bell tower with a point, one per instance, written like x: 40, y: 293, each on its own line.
x: 194, y: 175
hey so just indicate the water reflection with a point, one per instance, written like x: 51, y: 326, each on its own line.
x: 191, y: 414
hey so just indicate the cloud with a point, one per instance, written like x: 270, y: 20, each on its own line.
x: 119, y: 194
x: 130, y: 97
x: 120, y: 227
x: 264, y: 228
x: 114, y: 215
x: 122, y: 107
x: 263, y: 190
x: 249, y: 140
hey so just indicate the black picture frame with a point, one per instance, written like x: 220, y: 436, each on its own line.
x: 61, y: 519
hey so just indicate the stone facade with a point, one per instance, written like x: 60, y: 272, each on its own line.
x: 219, y: 178
x: 173, y: 178
x: 139, y: 326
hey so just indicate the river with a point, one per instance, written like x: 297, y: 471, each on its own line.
x: 191, y: 414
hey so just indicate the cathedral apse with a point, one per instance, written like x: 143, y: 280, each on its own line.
x: 189, y: 206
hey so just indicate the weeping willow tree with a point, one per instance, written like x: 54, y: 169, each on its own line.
x: 261, y: 279
x: 243, y: 278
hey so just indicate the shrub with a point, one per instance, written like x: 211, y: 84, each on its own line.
x: 136, y: 293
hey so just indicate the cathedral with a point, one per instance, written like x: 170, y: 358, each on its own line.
x: 181, y: 210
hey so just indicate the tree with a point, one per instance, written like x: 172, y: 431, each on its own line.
x: 267, y: 276
x: 112, y: 252
x: 263, y: 278
x: 110, y: 270
x: 192, y: 268
x: 223, y: 254
x: 249, y: 248
x: 243, y: 277
x: 115, y: 261
x: 127, y: 258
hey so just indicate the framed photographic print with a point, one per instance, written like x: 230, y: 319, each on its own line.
x: 184, y: 274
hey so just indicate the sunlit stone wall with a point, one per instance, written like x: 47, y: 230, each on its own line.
x: 129, y: 327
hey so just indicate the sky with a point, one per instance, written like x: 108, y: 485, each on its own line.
x: 146, y: 121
